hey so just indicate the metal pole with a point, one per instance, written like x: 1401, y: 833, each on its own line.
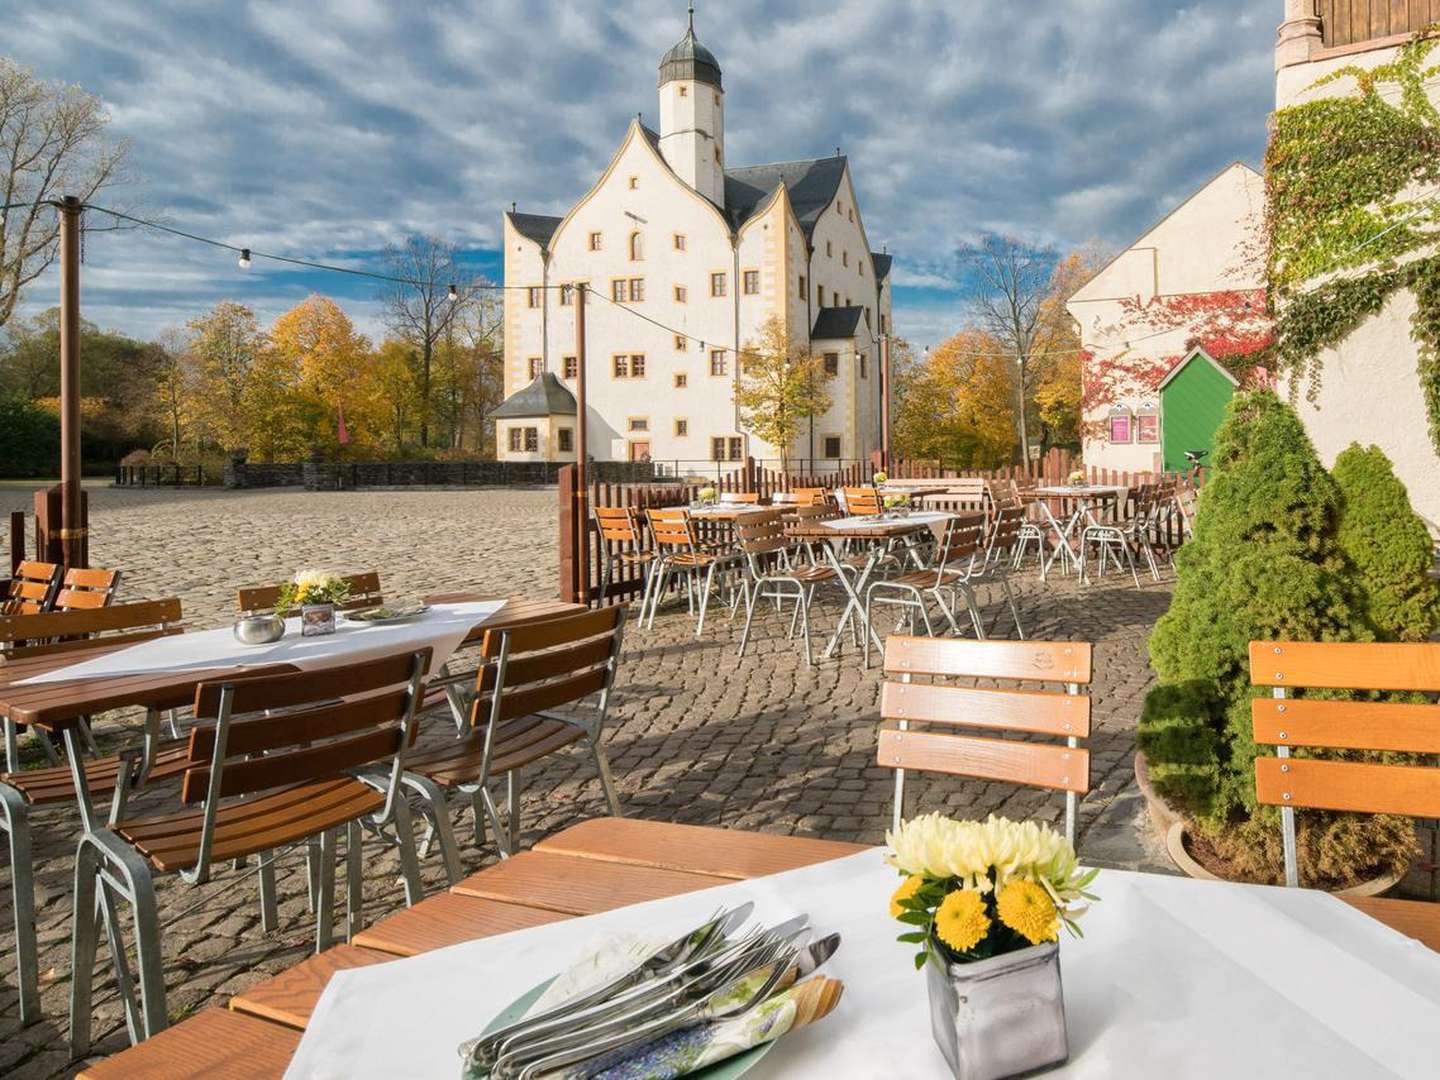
x: 72, y: 530
x: 582, y: 510
x: 885, y: 400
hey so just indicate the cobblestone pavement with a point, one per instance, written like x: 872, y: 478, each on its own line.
x: 697, y: 735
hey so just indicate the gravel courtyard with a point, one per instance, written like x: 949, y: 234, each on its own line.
x: 696, y: 736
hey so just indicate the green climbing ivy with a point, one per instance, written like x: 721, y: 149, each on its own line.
x: 1348, y: 191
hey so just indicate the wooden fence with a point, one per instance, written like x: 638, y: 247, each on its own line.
x: 582, y: 561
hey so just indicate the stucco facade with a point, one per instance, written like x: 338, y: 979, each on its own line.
x: 1203, y: 248
x: 668, y: 234
x: 1369, y: 389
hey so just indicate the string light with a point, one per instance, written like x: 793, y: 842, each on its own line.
x: 454, y: 294
x: 244, y: 258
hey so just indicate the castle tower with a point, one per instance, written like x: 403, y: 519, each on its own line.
x: 692, y: 115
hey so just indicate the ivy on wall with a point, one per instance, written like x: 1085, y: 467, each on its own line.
x: 1350, y: 200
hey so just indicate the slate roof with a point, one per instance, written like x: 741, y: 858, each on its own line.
x: 882, y: 264
x: 812, y: 185
x: 837, y: 323
x: 688, y: 59
x: 537, y: 227
x: 544, y: 396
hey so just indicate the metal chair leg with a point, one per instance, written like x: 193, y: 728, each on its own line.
x: 607, y: 781
x: 750, y: 602
x: 512, y: 807
x: 409, y: 860
x: 312, y: 871
x: 705, y: 599
x: 354, y: 875
x: 84, y: 940
x: 325, y: 891
x: 269, y: 915
x: 14, y: 819
x: 440, y: 827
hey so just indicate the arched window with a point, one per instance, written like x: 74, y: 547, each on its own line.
x: 637, y: 247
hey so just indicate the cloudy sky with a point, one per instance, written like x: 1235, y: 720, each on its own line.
x: 328, y: 129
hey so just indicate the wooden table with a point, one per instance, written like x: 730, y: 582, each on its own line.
x: 589, y: 868
x: 638, y: 860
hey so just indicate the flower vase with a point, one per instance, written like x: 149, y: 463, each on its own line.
x: 998, y: 1017
x: 317, y: 619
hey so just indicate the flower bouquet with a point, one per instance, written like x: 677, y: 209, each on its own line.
x: 896, y: 504
x: 881, y: 477
x: 1077, y: 478
x: 985, y: 902
x: 706, y: 496
x: 315, y: 593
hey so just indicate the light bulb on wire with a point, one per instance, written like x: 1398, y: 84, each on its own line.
x: 454, y: 294
x: 244, y: 258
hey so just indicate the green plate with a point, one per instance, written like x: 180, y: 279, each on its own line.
x: 728, y: 1069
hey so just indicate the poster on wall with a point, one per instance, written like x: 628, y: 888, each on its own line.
x: 1120, y: 427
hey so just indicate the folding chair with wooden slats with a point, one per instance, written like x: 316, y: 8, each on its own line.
x: 364, y: 593
x: 940, y: 707
x: 962, y: 552
x: 85, y: 590
x: 270, y: 763
x: 23, y: 790
x: 863, y: 501
x: 680, y: 551
x: 528, y: 673
x: 1287, y: 723
x: 32, y: 588
x: 775, y: 571
x: 621, y: 547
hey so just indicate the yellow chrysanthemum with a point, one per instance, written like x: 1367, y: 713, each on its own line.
x: 1027, y: 909
x: 908, y: 888
x: 960, y: 921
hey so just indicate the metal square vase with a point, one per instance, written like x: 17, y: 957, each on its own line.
x: 999, y: 1017
x: 317, y: 619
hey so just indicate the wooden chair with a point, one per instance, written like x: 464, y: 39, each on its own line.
x: 811, y: 496
x: 775, y: 573
x: 1003, y: 539
x: 679, y: 551
x: 862, y: 501
x: 903, y: 702
x: 22, y: 790
x: 85, y: 590
x: 749, y: 498
x: 364, y: 593
x: 269, y: 765
x: 1126, y: 539
x: 962, y: 551
x: 528, y: 673
x: 1360, y: 787
x: 620, y: 545
x: 32, y: 588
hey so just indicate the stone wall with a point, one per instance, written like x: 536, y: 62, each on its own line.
x: 342, y: 475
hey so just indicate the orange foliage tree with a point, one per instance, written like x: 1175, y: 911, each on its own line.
x: 957, y: 405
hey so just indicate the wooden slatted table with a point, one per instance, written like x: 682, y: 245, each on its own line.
x: 643, y: 860
x: 635, y: 860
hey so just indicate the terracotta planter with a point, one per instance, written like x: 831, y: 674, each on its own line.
x: 1175, y: 846
x: 1172, y: 827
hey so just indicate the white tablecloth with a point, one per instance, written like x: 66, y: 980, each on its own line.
x: 1173, y: 979
x: 442, y: 628
x: 922, y: 517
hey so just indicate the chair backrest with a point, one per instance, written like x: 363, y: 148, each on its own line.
x: 862, y: 501
x: 364, y: 592
x: 817, y: 512
x: 810, y: 496
x: 1357, y: 786
x: 617, y: 524
x: 962, y: 542
x: 544, y: 665
x: 671, y: 527
x: 85, y: 590
x: 941, y: 707
x: 66, y: 631
x: 31, y: 589
x: 761, y: 533
x: 739, y: 497
x: 784, y: 498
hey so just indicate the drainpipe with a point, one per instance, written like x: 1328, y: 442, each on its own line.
x: 809, y: 326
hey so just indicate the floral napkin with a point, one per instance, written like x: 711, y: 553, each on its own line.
x: 692, y: 1049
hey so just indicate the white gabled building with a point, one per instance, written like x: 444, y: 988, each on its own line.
x: 710, y: 253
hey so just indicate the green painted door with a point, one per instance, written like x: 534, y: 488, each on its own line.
x: 1192, y: 404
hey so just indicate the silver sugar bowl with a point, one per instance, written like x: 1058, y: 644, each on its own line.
x: 259, y: 628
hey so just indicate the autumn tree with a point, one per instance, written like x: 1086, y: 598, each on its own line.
x: 782, y: 385
x: 418, y: 307
x: 392, y: 394
x: 173, y: 394
x: 52, y: 143
x: 957, y: 405
x: 328, y: 361
x: 224, y: 347
x: 1056, y: 357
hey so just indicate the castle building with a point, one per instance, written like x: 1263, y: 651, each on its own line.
x: 690, y: 258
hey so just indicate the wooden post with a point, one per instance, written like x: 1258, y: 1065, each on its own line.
x: 885, y: 401
x: 571, y: 544
x: 17, y: 540
x: 581, y: 491
x: 72, y: 523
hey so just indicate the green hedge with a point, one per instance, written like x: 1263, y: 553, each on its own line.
x: 29, y: 440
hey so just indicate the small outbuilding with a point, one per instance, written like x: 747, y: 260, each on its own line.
x: 1193, y: 398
